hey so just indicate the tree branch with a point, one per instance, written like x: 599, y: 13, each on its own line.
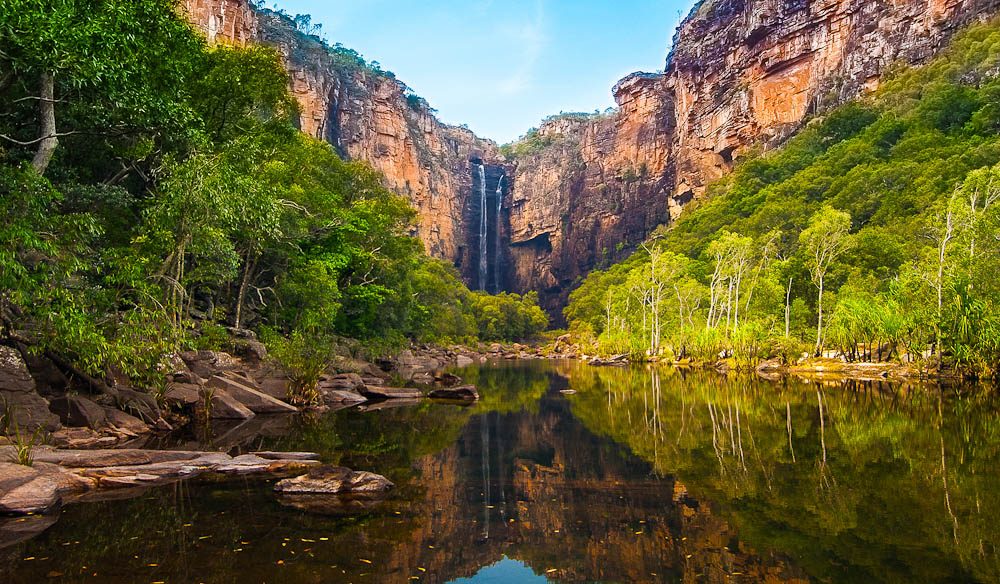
x: 39, y: 139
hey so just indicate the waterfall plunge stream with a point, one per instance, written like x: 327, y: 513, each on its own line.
x: 496, y: 237
x: 483, y: 264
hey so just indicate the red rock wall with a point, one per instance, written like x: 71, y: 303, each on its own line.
x: 224, y: 21
x: 742, y: 73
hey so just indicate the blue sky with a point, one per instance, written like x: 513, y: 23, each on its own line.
x: 500, y: 66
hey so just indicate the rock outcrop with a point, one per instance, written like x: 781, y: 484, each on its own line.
x: 231, y: 22
x: 369, y: 115
x: 742, y: 73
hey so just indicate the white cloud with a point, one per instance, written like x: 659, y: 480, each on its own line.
x: 527, y: 40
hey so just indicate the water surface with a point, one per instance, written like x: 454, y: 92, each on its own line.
x: 641, y: 475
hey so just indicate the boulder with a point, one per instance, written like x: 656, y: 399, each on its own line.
x: 208, y: 363
x: 408, y: 363
x: 77, y: 411
x: 50, y: 381
x: 256, y: 401
x: 226, y: 407
x: 125, y: 423
x: 139, y: 404
x: 464, y: 393
x: 372, y: 392
x: 18, y: 395
x: 464, y: 361
x: 342, y: 382
x: 25, y: 490
x: 182, y: 395
x: 447, y: 379
x: 335, y: 480
x: 272, y: 380
x: 252, y: 350
x: 422, y: 378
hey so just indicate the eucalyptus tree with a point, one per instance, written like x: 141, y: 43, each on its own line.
x: 824, y: 241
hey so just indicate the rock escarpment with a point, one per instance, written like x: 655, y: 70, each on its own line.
x: 369, y: 115
x: 742, y: 73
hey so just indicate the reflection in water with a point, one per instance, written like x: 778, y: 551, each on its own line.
x: 640, y: 476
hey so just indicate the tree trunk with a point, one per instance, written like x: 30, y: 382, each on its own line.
x: 251, y: 264
x: 819, y: 322
x: 788, y: 309
x: 47, y: 120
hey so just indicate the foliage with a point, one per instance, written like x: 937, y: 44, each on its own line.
x: 179, y: 199
x: 881, y: 209
x: 508, y: 316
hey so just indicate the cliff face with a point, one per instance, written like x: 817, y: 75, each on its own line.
x: 742, y: 73
x: 369, y: 115
x: 224, y: 21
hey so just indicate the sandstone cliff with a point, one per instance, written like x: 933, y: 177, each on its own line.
x: 741, y: 73
x: 588, y: 189
x: 231, y: 22
x: 367, y: 114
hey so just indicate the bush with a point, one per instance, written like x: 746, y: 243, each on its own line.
x: 305, y: 355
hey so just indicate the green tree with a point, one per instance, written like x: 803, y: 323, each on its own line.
x: 824, y: 241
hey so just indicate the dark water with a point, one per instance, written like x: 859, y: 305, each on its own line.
x: 639, y: 476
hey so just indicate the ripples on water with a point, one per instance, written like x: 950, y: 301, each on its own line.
x: 640, y: 476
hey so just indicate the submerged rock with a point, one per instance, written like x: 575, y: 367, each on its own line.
x: 464, y: 392
x: 332, y: 480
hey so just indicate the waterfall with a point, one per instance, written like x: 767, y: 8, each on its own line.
x: 496, y: 238
x: 483, y: 264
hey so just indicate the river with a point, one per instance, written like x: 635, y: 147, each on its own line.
x: 569, y: 473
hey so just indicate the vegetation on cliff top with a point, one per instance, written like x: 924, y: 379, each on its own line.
x: 153, y: 185
x: 873, y: 233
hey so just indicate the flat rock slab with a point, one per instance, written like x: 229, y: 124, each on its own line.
x: 372, y: 392
x: 256, y: 401
x: 288, y: 455
x: 27, y: 490
x: 337, y: 396
x: 464, y: 393
x: 110, y: 457
x: 334, y: 480
x: 57, y: 474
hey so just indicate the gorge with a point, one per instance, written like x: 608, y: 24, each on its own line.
x: 585, y: 190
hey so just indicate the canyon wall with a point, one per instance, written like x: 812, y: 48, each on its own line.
x: 585, y: 190
x: 741, y: 73
x: 369, y: 115
x: 231, y: 22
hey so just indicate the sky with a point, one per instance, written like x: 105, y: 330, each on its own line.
x: 501, y: 66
